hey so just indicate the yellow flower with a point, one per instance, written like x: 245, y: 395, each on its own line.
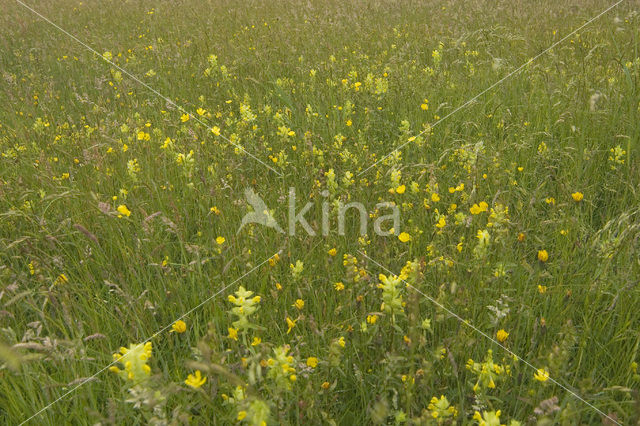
x: 256, y: 341
x: 123, y: 210
x: 542, y: 289
x: 349, y: 123
x: 479, y: 208
x: 184, y: 118
x: 215, y: 130
x: 541, y: 375
x: 502, y: 335
x: 291, y: 324
x: 404, y: 237
x: 371, y: 319
x: 442, y: 222
x: 332, y: 252
x: 179, y: 327
x: 339, y: 286
x: 299, y: 304
x: 312, y: 362
x: 543, y: 256
x: 435, y: 197
x: 577, y: 196
x: 401, y: 189
x: 220, y: 240
x: 233, y: 333
x: 134, y: 358
x: 241, y: 415
x: 195, y: 381
x: 341, y: 342
x: 325, y: 385
x: 201, y: 111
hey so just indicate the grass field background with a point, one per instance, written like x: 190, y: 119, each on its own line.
x: 519, y: 213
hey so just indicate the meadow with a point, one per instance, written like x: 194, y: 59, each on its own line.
x: 504, y: 133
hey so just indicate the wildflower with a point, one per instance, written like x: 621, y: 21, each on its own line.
x: 341, y: 342
x: 542, y: 289
x: 312, y: 362
x: 483, y: 237
x: 233, y: 333
x: 502, y: 335
x: 332, y: 252
x: 274, y: 259
x: 123, y: 210
x: 281, y: 369
x: 220, y: 240
x: 339, y: 286
x: 179, y: 327
x: 201, y: 111
x: 195, y: 380
x: 371, y: 319
x: 290, y: 324
x: 541, y: 375
x: 487, y: 418
x: 299, y: 304
x: 425, y: 105
x: 404, y: 237
x: 245, y: 305
x: 134, y: 360
x: 391, y: 294
x: 577, y: 196
x: 442, y: 222
x: 441, y: 408
x: 325, y: 385
x: 215, y: 130
x: 256, y: 341
x: 543, y: 256
x: 521, y: 237
x: 62, y: 279
x: 479, y: 208
x: 296, y: 270
x: 401, y: 189
x: 184, y: 118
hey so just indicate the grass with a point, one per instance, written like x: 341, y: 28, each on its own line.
x: 320, y: 91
